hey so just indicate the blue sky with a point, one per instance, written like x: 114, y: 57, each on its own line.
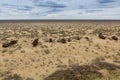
x: 59, y: 9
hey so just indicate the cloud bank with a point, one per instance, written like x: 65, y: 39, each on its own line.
x: 59, y: 9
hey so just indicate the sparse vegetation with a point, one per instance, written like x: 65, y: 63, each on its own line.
x: 37, y: 50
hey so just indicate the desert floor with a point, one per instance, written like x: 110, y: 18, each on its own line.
x: 65, y: 51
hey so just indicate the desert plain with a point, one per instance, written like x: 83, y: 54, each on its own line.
x: 60, y: 50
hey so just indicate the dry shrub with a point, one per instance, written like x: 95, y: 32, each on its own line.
x: 44, y: 46
x: 63, y: 40
x: 8, y: 44
x: 114, y: 37
x: 35, y: 42
x: 101, y: 36
x: 69, y: 39
x: 50, y: 40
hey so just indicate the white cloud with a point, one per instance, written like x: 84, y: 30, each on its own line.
x: 64, y: 9
x: 105, y: 13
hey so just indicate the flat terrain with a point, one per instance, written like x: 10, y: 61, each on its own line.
x: 75, y: 50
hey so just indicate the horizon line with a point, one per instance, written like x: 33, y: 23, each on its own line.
x: 56, y: 19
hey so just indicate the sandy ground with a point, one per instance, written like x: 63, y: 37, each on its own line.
x: 47, y: 57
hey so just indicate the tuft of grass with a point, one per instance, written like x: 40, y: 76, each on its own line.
x: 46, y: 51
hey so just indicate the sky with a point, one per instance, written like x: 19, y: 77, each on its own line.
x: 59, y: 9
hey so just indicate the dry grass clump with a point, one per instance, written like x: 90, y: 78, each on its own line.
x: 4, y: 51
x: 76, y: 37
x: 118, y: 54
x: 46, y: 51
x: 62, y: 40
x: 22, y: 51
